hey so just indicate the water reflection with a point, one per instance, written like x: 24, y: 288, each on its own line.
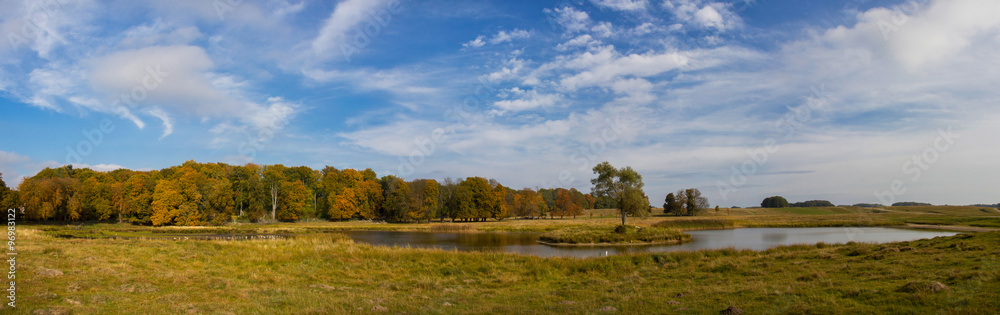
x: 754, y: 239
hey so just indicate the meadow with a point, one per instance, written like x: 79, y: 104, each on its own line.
x: 110, y: 268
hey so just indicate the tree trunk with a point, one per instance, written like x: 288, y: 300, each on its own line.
x: 274, y: 201
x: 624, y: 216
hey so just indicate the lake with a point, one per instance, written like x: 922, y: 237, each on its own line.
x: 750, y: 238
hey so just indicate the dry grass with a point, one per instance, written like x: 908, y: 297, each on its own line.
x: 326, y: 273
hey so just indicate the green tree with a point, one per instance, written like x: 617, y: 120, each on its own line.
x: 774, y: 202
x: 397, y: 198
x: 8, y: 197
x: 690, y: 203
x: 624, y: 186
x: 670, y: 205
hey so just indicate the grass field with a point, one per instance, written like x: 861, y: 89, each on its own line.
x: 322, y: 272
x: 327, y: 274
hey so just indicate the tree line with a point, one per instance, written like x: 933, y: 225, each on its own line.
x: 215, y: 193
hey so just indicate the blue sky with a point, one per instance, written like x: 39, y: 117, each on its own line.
x: 847, y: 101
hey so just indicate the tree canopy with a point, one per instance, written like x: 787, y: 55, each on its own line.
x: 215, y: 193
x: 774, y: 202
x: 686, y: 202
x: 624, y: 186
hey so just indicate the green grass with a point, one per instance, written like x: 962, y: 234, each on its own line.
x: 622, y: 234
x: 325, y: 273
x: 696, y: 223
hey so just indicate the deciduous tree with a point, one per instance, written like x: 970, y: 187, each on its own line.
x: 624, y: 186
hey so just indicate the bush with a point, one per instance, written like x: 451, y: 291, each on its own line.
x: 911, y: 204
x: 812, y: 203
x: 774, y: 202
x: 621, y: 229
x: 622, y: 234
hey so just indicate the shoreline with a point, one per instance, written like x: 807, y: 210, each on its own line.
x: 671, y: 242
x: 953, y: 228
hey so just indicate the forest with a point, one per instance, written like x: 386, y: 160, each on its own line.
x: 216, y: 193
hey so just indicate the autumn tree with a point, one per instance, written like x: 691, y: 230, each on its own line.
x: 624, y: 186
x: 565, y: 205
x: 591, y: 201
x: 219, y: 199
x: 293, y: 199
x: 8, y: 197
x: 274, y: 176
x: 167, y: 198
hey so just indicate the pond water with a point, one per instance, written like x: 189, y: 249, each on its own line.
x: 752, y: 238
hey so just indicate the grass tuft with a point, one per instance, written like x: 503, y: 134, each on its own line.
x: 621, y: 234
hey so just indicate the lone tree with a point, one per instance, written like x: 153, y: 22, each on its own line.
x: 624, y: 186
x: 774, y: 202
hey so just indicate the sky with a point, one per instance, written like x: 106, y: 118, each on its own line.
x: 852, y: 101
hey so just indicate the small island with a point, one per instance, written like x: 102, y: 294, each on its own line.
x: 621, y: 235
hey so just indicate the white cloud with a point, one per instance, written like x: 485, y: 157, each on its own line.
x: 159, y: 33
x: 602, y: 68
x: 603, y: 29
x: 11, y: 165
x: 44, y: 26
x: 928, y: 36
x: 572, y: 19
x: 705, y: 14
x: 622, y: 5
x: 498, y: 38
x: 345, y: 17
x: 15, y: 167
x: 168, y: 125
x: 709, y: 17
x: 178, y: 80
x: 287, y: 8
x: 643, y: 29
x: 504, y: 36
x: 475, y: 43
x: 526, y: 100
x: 579, y: 41
x: 511, y: 69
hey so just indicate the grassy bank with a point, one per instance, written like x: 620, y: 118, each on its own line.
x: 620, y: 235
x: 327, y: 274
x: 725, y: 218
